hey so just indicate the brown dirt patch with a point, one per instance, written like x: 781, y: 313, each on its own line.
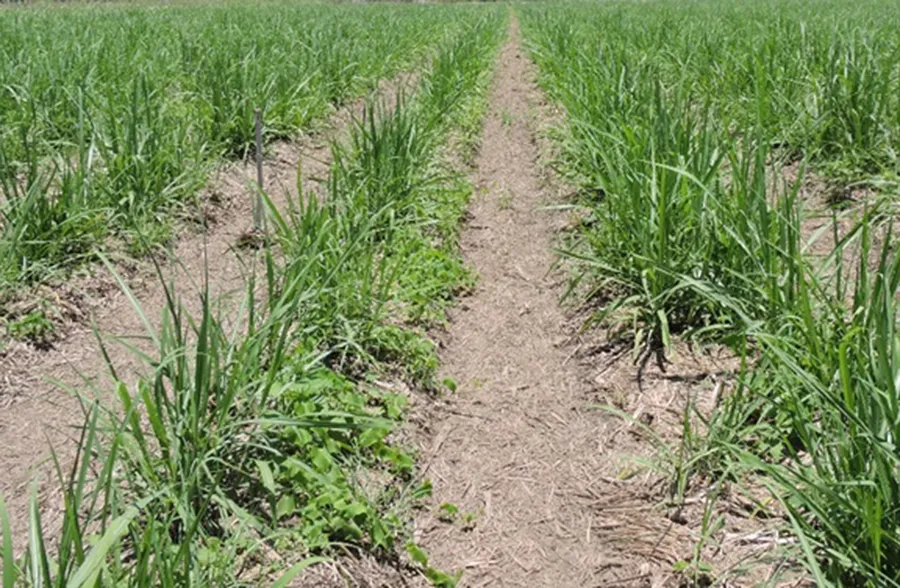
x: 647, y: 526
x: 515, y: 447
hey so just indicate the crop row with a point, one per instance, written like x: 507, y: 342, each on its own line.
x: 680, y: 120
x: 111, y: 117
x: 273, y: 437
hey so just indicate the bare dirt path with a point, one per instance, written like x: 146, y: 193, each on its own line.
x: 36, y: 411
x: 515, y: 448
x: 534, y: 484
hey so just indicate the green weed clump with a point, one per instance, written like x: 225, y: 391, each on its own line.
x: 680, y: 119
x: 268, y: 431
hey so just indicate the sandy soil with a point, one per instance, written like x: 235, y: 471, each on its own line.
x: 515, y: 447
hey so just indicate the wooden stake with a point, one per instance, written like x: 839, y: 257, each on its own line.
x: 257, y: 202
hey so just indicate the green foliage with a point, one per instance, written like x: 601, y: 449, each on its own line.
x: 817, y: 417
x: 434, y: 576
x: 312, y: 479
x: 679, y: 119
x: 112, y: 116
x: 35, y: 327
x: 436, y: 273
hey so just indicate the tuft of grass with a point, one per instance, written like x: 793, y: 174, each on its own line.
x: 816, y: 417
x: 35, y: 327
